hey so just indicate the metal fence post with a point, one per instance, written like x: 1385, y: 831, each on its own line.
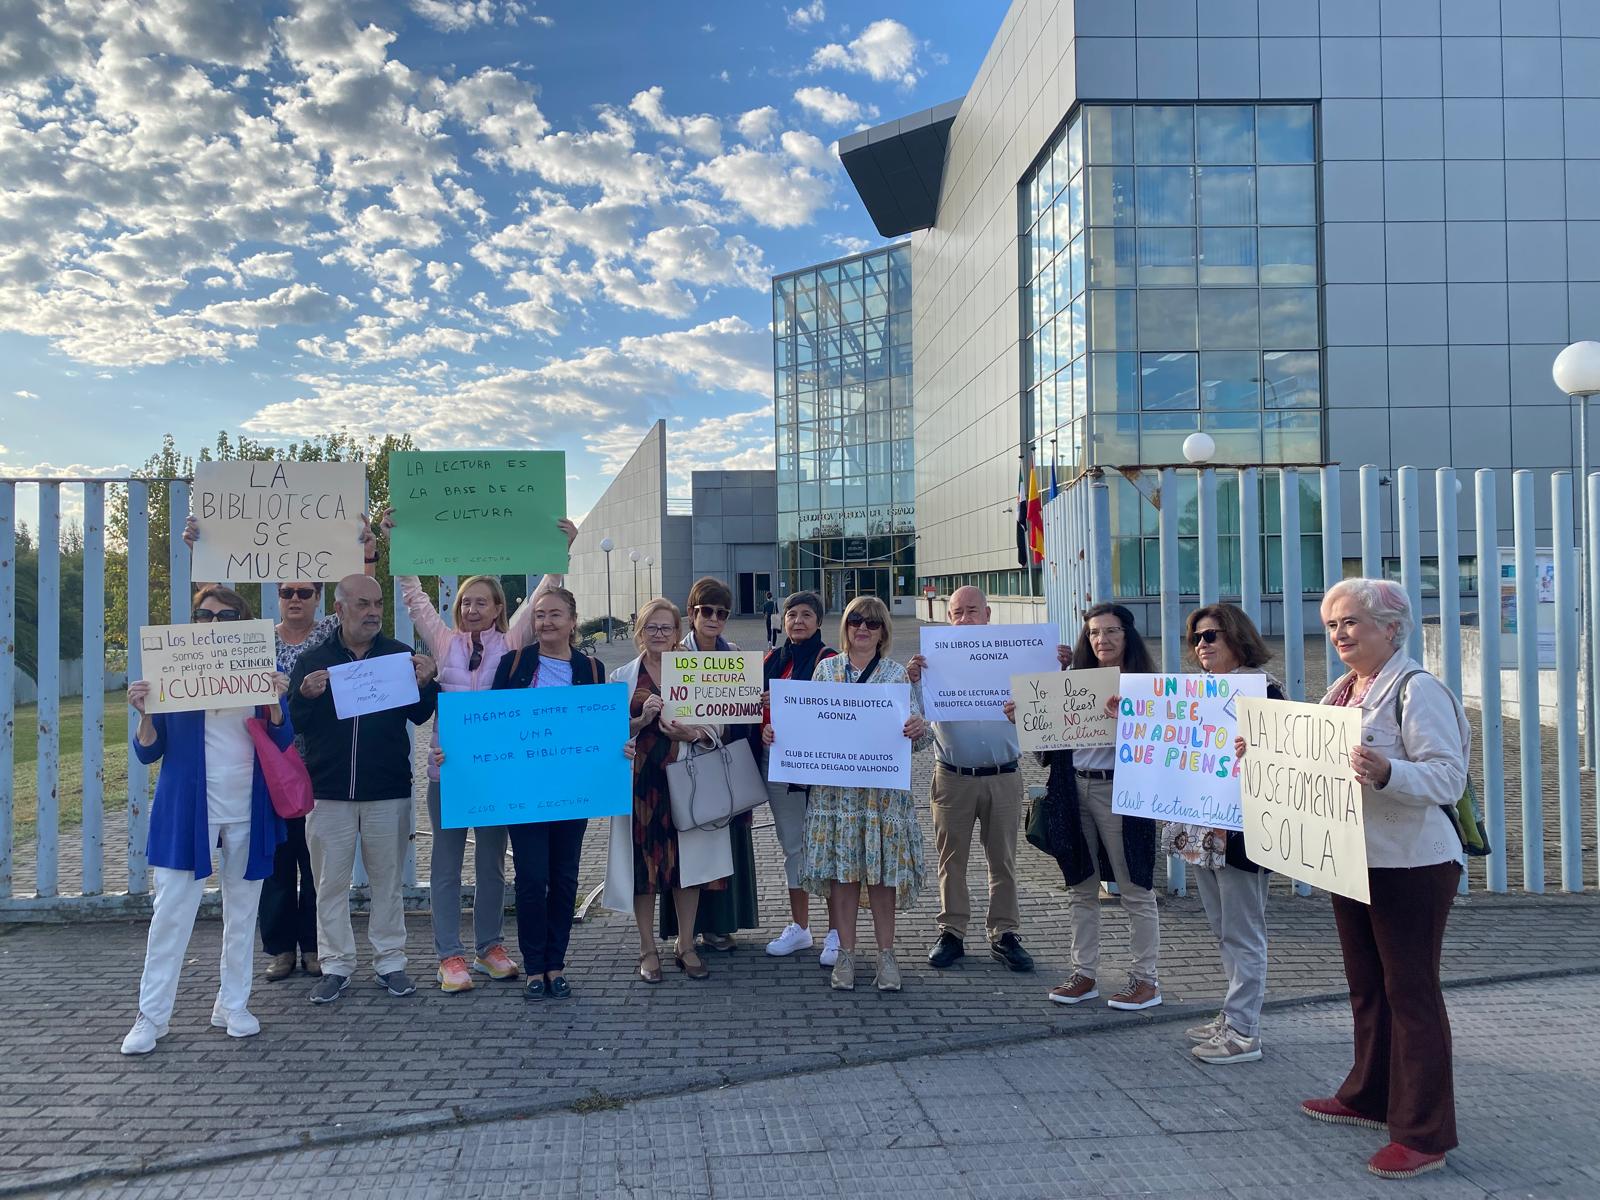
x: 1591, y: 699
x: 1568, y: 657
x: 178, y: 556
x: 94, y: 686
x: 1250, y: 542
x: 1099, y: 547
x: 1493, y: 731
x: 1171, y: 585
x: 138, y: 614
x: 1445, y: 488
x: 8, y: 676
x: 1332, y: 555
x: 1525, y: 535
x: 1410, y: 504
x: 1294, y: 635
x: 1371, y: 523
x: 48, y: 660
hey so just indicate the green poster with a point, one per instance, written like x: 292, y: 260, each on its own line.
x: 478, y: 512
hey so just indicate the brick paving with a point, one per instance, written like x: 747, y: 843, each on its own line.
x: 1117, y: 1114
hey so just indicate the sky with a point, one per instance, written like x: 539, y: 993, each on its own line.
x: 486, y: 223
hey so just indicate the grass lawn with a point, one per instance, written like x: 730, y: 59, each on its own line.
x: 70, y: 789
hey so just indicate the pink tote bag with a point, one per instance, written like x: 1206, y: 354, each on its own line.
x: 288, y: 781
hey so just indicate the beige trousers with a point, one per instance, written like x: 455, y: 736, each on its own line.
x: 1100, y: 824
x: 993, y: 802
x: 384, y: 827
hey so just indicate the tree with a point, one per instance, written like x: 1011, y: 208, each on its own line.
x: 69, y: 608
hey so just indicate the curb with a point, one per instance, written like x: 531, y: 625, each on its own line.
x: 483, y: 1112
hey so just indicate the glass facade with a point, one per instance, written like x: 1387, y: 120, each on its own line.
x: 1170, y: 269
x: 842, y: 399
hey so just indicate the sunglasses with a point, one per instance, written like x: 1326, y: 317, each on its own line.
x: 1208, y: 636
x: 476, y: 661
x: 871, y: 623
x: 710, y: 610
x: 206, y: 615
x: 296, y: 593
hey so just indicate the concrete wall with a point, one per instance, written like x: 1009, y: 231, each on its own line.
x: 633, y: 513
x: 735, y: 527
x: 1460, y: 194
x: 26, y: 691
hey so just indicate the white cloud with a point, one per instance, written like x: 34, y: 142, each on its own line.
x: 851, y: 245
x: 806, y: 15
x: 809, y: 151
x: 442, y: 275
x: 833, y: 107
x: 24, y: 394
x: 697, y: 254
x: 296, y: 304
x: 885, y: 51
x: 756, y: 126
x: 767, y: 187
x: 702, y: 134
x: 455, y: 15
x: 269, y: 266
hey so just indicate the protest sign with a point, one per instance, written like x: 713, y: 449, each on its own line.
x: 843, y: 734
x: 968, y: 676
x: 534, y: 754
x: 373, y: 684
x: 226, y: 664
x: 1301, y: 799
x: 1065, y: 710
x: 1175, y: 758
x: 713, y: 685
x: 488, y: 512
x: 274, y: 521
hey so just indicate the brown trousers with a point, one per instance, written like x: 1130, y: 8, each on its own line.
x: 959, y: 802
x: 1402, y: 1071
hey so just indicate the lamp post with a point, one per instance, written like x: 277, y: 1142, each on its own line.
x: 1577, y: 373
x: 649, y: 575
x: 633, y: 557
x: 607, y: 546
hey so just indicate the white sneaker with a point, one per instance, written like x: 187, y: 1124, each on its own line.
x: 239, y: 1023
x: 144, y: 1035
x: 830, y: 948
x: 794, y: 937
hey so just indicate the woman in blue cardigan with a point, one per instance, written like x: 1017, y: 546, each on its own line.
x: 210, y: 795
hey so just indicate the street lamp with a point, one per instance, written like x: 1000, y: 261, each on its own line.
x: 607, y: 546
x: 1577, y: 373
x: 649, y: 575
x: 1199, y: 448
x: 633, y: 557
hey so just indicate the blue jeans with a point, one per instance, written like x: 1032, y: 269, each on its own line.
x: 546, y: 857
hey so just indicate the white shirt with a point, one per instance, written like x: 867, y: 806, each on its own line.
x: 230, y: 765
x: 1095, y: 758
x: 553, y: 672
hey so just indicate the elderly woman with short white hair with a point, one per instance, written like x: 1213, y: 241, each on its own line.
x: 1412, y: 765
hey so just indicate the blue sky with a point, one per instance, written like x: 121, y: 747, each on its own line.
x: 483, y: 222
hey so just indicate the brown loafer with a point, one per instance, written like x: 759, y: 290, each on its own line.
x: 650, y: 976
x: 697, y: 972
x: 280, y: 967
x: 311, y: 965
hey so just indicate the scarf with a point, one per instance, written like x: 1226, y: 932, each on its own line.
x: 800, y: 657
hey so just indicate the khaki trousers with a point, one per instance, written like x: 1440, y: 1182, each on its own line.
x: 384, y: 828
x: 995, y: 803
x: 1101, y: 825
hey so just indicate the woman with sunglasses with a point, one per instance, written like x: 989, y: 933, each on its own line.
x: 1223, y: 640
x: 735, y: 906
x: 646, y: 854
x: 865, y: 836
x: 1096, y: 844
x: 468, y: 651
x: 289, y: 894
x: 211, y: 801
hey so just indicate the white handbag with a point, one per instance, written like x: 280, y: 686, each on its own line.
x: 713, y: 784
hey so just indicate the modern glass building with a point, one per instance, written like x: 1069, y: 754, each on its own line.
x: 1321, y: 233
x: 842, y: 409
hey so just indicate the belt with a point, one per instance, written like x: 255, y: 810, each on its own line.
x: 1101, y: 775
x: 980, y: 772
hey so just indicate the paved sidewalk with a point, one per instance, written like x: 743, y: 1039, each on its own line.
x: 1118, y: 1114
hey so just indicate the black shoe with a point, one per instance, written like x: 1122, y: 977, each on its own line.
x: 558, y: 988
x: 1008, y: 950
x: 535, y: 989
x: 946, y: 950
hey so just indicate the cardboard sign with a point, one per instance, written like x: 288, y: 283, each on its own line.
x: 226, y: 664
x: 968, y: 676
x: 1302, y: 802
x: 373, y: 684
x: 1175, y: 757
x: 484, y: 512
x: 275, y: 521
x: 713, y: 685
x: 1065, y: 710
x: 843, y: 734
x: 534, y: 754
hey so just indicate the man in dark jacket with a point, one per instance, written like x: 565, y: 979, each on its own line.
x: 361, y: 778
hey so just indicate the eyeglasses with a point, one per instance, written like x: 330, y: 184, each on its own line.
x: 289, y: 593
x: 1208, y: 636
x: 206, y: 615
x: 872, y: 623
x: 711, y: 611
x: 660, y: 630
x: 1114, y: 631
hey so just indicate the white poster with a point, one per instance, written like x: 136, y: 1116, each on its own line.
x: 275, y: 521
x: 843, y: 734
x: 373, y: 684
x: 1302, y: 803
x: 1175, y: 758
x: 224, y: 664
x: 968, y: 676
x: 1065, y: 710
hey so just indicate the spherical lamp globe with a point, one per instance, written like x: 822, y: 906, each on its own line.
x: 1577, y: 369
x: 1199, y: 447
x: 607, y: 545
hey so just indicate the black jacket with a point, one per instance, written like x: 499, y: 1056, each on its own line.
x: 517, y: 669
x: 358, y: 758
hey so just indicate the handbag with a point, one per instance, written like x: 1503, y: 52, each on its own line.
x: 288, y: 781
x: 1463, y: 813
x: 1037, y: 825
x: 711, y: 785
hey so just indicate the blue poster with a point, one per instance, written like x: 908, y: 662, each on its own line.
x: 534, y: 754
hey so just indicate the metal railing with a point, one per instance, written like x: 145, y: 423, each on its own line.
x: 1078, y: 572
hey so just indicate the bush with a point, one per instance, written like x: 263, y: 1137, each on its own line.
x: 597, y: 627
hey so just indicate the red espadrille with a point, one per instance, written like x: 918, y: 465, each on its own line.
x: 1326, y: 1108
x: 1395, y: 1161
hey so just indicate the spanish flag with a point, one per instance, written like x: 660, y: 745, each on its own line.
x: 1035, y: 517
